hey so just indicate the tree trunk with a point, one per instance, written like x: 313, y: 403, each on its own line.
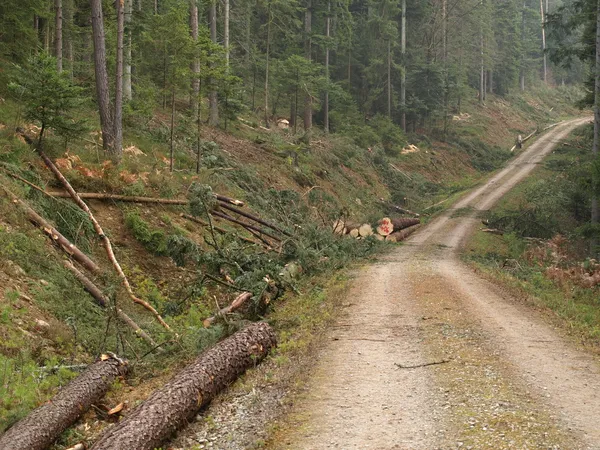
x: 58, y: 41
x: 481, y: 69
x: 172, y: 406
x: 327, y: 50
x: 389, y: 78
x: 522, y: 71
x: 226, y: 32
x: 543, y: 15
x: 267, y: 61
x: 172, y: 139
x: 213, y: 118
x: 595, y: 219
x: 118, y: 133
x: 45, y: 424
x: 402, y: 223
x: 308, y: 56
x: 127, y: 90
x: 102, y: 87
x: 403, y: 82
x: 195, y: 66
x: 399, y: 236
x: 68, y: 37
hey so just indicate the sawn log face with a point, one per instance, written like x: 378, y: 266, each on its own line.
x: 171, y: 407
x: 44, y: 425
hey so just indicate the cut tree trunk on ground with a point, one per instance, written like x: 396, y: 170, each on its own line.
x: 171, y: 407
x: 53, y: 233
x: 339, y: 227
x: 105, y: 240
x: 44, y: 425
x: 243, y: 224
x: 402, y: 223
x: 136, y: 199
x: 401, y: 235
x: 254, y: 218
x: 398, y: 208
x: 365, y: 230
x: 235, y: 305
x: 102, y: 301
x: 354, y: 233
x: 221, y: 230
x: 385, y: 227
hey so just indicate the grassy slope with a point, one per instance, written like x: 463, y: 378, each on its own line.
x: 333, y: 175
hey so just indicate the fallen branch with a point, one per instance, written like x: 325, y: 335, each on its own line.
x: 239, y: 301
x: 103, y: 237
x: 435, y: 363
x: 254, y: 218
x: 398, y: 208
x: 172, y: 406
x: 137, y: 199
x: 52, y: 233
x: 219, y: 229
x: 45, y: 424
x: 102, y: 301
x: 243, y: 224
x: 493, y: 231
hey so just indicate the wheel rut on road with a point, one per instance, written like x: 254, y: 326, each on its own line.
x: 492, y: 374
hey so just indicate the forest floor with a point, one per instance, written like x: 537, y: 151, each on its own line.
x: 426, y: 354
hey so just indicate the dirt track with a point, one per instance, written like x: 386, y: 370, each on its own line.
x: 498, y: 375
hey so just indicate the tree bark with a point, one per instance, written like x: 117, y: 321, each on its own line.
x: 195, y: 66
x: 172, y: 139
x: 58, y: 41
x: 327, y: 78
x: 117, y: 152
x: 267, y: 61
x: 226, y: 32
x: 127, y: 90
x: 213, y: 118
x: 308, y: 56
x: 402, y: 223
x: 172, y: 406
x: 389, y: 78
x: 399, y: 236
x: 543, y: 15
x: 102, y: 87
x: 481, y: 67
x: 403, y: 81
x: 595, y: 217
x: 522, y: 71
x: 45, y: 424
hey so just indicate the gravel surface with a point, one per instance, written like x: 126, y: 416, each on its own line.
x: 426, y: 355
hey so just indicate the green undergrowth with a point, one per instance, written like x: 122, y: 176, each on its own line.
x: 545, y: 232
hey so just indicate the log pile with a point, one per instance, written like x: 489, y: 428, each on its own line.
x: 44, y: 425
x: 386, y: 229
x: 172, y: 406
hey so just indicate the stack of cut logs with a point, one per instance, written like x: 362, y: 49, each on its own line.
x: 391, y: 230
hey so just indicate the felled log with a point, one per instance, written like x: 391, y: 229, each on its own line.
x: 254, y: 218
x: 53, y: 233
x: 45, y: 424
x: 138, y: 199
x: 339, y: 227
x: 398, y: 208
x: 172, y: 406
x: 493, y: 231
x: 354, y: 233
x: 379, y: 237
x: 365, y: 230
x: 218, y: 228
x: 235, y: 305
x: 402, y: 223
x: 103, y: 302
x: 105, y: 240
x: 399, y: 236
x: 243, y: 224
x: 385, y: 227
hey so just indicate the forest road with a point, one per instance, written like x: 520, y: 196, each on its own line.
x: 428, y: 355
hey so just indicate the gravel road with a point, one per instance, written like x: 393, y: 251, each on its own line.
x: 429, y: 355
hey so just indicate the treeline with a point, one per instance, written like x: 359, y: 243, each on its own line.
x: 335, y: 63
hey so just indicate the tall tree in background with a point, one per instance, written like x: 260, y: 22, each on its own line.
x: 213, y: 100
x: 403, y: 82
x: 308, y: 55
x: 327, y: 74
x: 58, y: 39
x: 595, y: 216
x: 127, y: 88
x: 102, y: 87
x: 543, y: 16
x: 117, y: 149
x: 195, y: 66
